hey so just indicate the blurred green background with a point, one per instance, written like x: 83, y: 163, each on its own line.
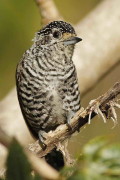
x: 19, y: 20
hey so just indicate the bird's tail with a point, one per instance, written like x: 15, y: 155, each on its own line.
x: 56, y: 159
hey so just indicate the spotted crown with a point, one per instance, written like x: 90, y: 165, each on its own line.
x: 63, y: 26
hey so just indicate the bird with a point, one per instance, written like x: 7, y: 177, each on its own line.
x: 46, y: 79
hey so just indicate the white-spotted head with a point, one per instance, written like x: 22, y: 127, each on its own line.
x: 56, y: 32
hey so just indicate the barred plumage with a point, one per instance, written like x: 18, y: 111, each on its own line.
x: 46, y: 79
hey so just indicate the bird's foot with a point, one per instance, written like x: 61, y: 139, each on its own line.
x: 69, y: 117
x: 42, y: 139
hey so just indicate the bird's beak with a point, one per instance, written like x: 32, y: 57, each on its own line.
x: 72, y: 40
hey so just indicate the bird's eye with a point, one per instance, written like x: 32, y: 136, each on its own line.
x: 56, y: 34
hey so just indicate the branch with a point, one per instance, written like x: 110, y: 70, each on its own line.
x: 48, y: 11
x: 102, y: 104
x: 39, y: 165
x: 99, y: 106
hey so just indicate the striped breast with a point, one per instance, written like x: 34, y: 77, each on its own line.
x: 47, y: 91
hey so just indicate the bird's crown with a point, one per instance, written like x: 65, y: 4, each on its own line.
x: 56, y: 32
x: 61, y: 25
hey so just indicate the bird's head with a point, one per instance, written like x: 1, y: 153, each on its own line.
x: 57, y: 32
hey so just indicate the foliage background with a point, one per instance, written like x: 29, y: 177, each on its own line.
x: 20, y: 19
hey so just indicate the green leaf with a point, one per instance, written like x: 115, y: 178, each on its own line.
x: 100, y: 160
x: 110, y: 157
x: 111, y: 152
x: 91, y: 148
x: 18, y: 167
